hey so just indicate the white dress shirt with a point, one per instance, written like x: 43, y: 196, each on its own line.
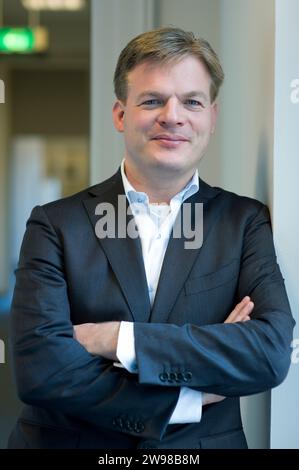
x: 154, y: 223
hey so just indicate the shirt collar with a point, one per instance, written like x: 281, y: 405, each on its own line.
x: 138, y: 196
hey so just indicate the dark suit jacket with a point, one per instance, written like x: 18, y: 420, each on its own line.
x: 67, y: 276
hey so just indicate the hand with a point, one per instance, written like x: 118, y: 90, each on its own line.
x: 99, y: 339
x: 240, y: 313
x: 209, y: 398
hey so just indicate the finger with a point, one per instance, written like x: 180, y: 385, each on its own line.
x: 243, y: 319
x: 239, y: 307
x: 245, y: 312
x: 237, y: 310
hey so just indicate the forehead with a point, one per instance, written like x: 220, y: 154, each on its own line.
x: 184, y: 75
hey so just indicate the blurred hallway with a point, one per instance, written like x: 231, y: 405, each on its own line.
x: 44, y: 144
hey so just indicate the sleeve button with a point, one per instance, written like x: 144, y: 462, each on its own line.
x: 187, y: 376
x: 138, y: 427
x: 163, y: 376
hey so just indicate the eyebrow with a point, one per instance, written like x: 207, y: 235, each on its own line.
x: 196, y: 93
x: 190, y: 94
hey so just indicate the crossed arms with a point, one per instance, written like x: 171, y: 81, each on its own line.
x: 54, y: 370
x: 101, y: 339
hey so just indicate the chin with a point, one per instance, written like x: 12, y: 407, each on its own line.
x: 172, y: 164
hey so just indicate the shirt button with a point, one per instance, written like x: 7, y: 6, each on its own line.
x: 139, y: 199
x: 159, y: 236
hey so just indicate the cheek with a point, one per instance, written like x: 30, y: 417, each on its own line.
x: 143, y: 121
x: 203, y: 128
x: 135, y: 126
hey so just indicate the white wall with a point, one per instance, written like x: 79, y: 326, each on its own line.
x: 285, y: 399
x: 27, y: 171
x: 247, y: 45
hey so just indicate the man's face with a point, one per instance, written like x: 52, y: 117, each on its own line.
x: 168, y: 117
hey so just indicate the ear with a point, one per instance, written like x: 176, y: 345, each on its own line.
x: 214, y: 115
x: 118, y: 112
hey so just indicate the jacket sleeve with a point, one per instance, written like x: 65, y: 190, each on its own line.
x: 52, y: 369
x: 228, y: 359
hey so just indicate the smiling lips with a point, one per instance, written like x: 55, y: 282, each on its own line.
x: 170, y: 140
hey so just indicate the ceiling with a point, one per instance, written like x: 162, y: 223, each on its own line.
x: 68, y: 35
x: 15, y: 13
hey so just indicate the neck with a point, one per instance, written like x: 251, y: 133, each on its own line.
x: 158, y: 188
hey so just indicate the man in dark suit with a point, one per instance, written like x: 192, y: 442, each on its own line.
x: 148, y: 342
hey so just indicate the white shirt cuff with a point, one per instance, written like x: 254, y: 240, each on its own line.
x: 188, y: 408
x: 126, y: 347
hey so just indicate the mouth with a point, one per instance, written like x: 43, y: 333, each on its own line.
x: 170, y: 141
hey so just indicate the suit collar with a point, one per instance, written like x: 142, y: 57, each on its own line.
x: 114, y: 183
x: 111, y: 185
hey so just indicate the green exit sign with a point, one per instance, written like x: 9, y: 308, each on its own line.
x: 23, y: 40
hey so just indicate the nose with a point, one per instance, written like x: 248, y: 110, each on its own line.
x: 171, y: 114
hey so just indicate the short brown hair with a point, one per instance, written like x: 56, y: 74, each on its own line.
x: 164, y: 45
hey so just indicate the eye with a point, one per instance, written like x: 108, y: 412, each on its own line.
x: 194, y: 103
x: 152, y: 102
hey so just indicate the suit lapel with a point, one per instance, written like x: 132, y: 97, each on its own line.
x: 178, y: 260
x: 124, y: 254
